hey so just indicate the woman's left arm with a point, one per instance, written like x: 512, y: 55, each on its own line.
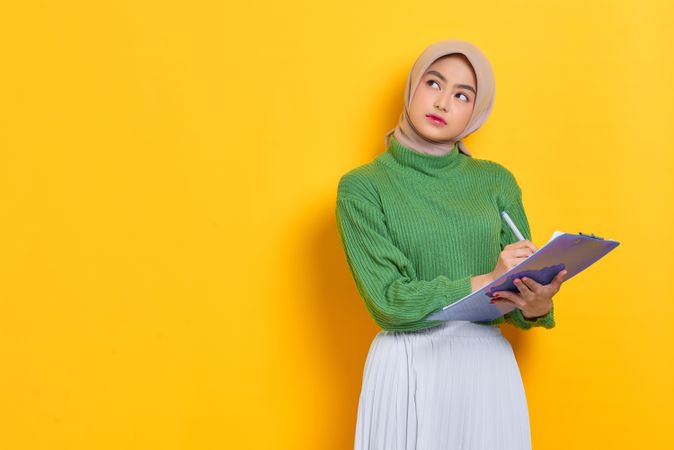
x: 533, y: 301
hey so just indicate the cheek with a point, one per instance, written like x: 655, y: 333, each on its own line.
x: 468, y: 111
x: 420, y: 100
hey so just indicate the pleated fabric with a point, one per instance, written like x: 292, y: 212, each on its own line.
x: 452, y: 387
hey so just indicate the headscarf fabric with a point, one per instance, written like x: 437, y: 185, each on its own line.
x: 405, y: 132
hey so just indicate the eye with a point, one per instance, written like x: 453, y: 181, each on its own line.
x: 461, y: 93
x: 430, y: 82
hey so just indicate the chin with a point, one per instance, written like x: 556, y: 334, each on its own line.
x: 430, y: 132
x: 433, y: 133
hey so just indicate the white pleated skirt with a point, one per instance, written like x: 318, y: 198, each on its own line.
x: 452, y: 387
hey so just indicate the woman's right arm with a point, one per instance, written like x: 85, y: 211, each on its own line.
x: 479, y: 281
x: 386, y: 279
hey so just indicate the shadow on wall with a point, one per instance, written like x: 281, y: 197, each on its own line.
x: 347, y: 329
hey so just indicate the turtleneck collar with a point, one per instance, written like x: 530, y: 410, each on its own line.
x: 442, y: 166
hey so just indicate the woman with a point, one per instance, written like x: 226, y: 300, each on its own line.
x: 421, y: 228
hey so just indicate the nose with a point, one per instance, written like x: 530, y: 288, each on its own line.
x: 441, y: 103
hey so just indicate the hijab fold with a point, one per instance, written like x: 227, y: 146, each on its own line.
x: 405, y: 132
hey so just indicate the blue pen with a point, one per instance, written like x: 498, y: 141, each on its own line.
x: 512, y: 226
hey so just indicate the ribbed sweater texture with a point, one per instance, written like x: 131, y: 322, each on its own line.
x: 416, y: 227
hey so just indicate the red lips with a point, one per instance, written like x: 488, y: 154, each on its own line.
x: 438, y: 118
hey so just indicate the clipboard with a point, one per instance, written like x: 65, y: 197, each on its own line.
x: 573, y: 252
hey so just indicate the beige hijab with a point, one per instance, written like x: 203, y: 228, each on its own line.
x: 405, y: 132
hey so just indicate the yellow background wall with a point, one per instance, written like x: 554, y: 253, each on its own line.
x: 171, y: 272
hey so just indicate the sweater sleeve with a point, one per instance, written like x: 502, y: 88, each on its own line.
x: 511, y: 202
x: 386, y: 279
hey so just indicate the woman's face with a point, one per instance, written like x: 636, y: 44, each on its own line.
x: 447, y: 90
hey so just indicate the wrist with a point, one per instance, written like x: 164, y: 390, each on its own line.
x: 479, y: 281
x: 533, y: 315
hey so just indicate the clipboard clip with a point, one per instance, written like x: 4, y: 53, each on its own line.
x: 592, y: 235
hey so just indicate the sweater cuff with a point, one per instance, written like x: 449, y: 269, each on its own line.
x: 546, y: 321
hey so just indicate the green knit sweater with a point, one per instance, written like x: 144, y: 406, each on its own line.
x: 416, y: 227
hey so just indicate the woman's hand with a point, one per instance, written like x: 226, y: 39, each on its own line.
x: 512, y: 255
x: 534, y: 299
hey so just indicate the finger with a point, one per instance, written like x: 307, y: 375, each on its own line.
x: 520, y: 245
x: 531, y: 245
x: 513, y: 262
x: 533, y: 285
x: 527, y: 243
x: 514, y: 298
x: 520, y: 252
x: 557, y: 281
x: 524, y: 290
x: 503, y: 301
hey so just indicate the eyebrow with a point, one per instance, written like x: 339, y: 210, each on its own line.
x: 439, y: 75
